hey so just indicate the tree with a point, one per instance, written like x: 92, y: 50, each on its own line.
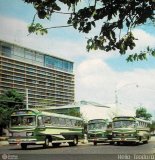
x: 10, y: 100
x: 152, y: 127
x: 141, y: 112
x: 113, y: 15
x: 74, y: 112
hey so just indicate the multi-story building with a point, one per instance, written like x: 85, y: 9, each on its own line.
x: 45, y: 76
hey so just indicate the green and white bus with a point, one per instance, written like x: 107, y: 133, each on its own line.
x: 99, y: 131
x: 130, y: 129
x: 28, y: 127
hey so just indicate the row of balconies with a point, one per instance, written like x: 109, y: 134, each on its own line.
x: 27, y: 84
x: 55, y: 89
x: 36, y: 81
x: 35, y: 99
x: 30, y: 76
x: 34, y: 88
x: 35, y: 94
x: 34, y: 67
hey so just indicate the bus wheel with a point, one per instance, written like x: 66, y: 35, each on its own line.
x: 111, y: 143
x: 56, y: 144
x: 23, y: 146
x: 95, y: 143
x: 145, y: 142
x: 46, y: 144
x: 136, y: 143
x: 118, y: 143
x: 140, y: 139
x: 74, y: 143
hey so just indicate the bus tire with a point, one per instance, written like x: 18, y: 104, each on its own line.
x: 46, y: 144
x: 145, y: 142
x: 140, y: 139
x: 95, y: 143
x: 23, y: 146
x: 56, y: 144
x: 118, y: 143
x: 75, y: 141
x: 111, y: 143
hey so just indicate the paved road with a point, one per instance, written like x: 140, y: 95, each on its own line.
x: 81, y: 152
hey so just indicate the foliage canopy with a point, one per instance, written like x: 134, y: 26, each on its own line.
x: 113, y: 15
x: 141, y: 112
x: 10, y: 100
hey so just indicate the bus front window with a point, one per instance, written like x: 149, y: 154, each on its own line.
x: 23, y: 121
x: 40, y: 121
x: 94, y: 126
x: 124, y: 124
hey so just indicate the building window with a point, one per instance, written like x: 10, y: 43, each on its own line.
x: 39, y: 57
x: 29, y: 55
x: 18, y: 51
x: 6, y: 50
x: 53, y: 62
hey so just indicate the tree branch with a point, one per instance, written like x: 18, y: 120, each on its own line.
x: 58, y: 27
x: 63, y: 12
x: 34, y: 18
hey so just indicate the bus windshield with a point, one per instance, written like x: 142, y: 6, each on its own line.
x: 124, y: 124
x: 26, y: 120
x: 93, y: 126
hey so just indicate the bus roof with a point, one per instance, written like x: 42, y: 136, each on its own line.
x: 97, y: 120
x: 123, y: 118
x: 142, y: 120
x: 60, y: 115
x: 130, y: 118
x: 37, y: 112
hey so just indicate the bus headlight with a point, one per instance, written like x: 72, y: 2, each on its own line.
x: 10, y: 134
x: 29, y: 133
x: 114, y: 135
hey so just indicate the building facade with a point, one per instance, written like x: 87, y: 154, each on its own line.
x: 47, y: 78
x: 89, y: 110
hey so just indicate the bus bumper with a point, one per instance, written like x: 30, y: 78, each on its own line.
x: 26, y: 141
x: 125, y: 140
x: 99, y: 140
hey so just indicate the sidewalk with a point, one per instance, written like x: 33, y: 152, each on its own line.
x: 3, y: 141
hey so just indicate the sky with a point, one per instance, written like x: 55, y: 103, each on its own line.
x: 99, y: 76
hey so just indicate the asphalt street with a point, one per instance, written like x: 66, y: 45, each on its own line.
x: 81, y: 152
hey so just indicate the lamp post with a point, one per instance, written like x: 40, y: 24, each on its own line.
x: 27, y: 107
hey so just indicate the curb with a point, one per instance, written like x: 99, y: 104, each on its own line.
x: 3, y: 138
x: 4, y: 143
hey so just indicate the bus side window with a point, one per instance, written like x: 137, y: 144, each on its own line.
x: 40, y: 121
x: 47, y: 120
x: 68, y: 122
x: 57, y: 121
x: 54, y: 121
x: 62, y: 121
x: 78, y: 123
x: 73, y: 122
